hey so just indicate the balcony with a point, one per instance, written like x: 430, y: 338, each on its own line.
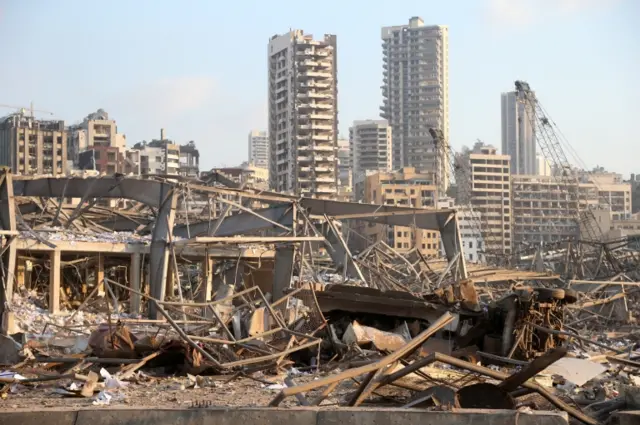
x: 308, y: 62
x: 320, y: 116
x: 316, y: 74
x: 318, y: 95
x: 323, y: 148
x: 322, y: 105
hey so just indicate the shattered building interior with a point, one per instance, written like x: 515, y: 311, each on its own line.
x: 205, y: 277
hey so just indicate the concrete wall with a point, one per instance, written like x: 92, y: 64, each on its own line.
x: 266, y: 416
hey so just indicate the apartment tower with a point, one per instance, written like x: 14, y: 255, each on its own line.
x: 30, y: 146
x: 303, y: 115
x: 259, y: 148
x: 415, y: 93
x: 518, y: 135
x: 490, y: 191
x: 370, y: 145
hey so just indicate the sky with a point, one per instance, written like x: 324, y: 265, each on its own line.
x: 198, y: 68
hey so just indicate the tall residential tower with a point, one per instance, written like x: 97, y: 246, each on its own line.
x: 416, y: 92
x: 259, y: 148
x: 518, y: 137
x: 303, y: 115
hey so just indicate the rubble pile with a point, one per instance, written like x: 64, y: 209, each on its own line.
x: 260, y: 300
x: 443, y: 349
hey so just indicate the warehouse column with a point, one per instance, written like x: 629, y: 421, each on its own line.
x: 134, y: 282
x: 54, y: 281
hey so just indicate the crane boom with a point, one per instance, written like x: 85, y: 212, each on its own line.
x: 24, y: 109
x: 552, y: 150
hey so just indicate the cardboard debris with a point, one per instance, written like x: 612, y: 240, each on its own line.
x: 577, y: 371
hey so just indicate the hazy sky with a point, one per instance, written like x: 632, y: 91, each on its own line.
x: 199, y: 68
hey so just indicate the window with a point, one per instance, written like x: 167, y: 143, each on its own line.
x: 471, y: 257
x: 399, y: 234
x: 470, y: 244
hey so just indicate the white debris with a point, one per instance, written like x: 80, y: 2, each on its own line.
x: 110, y: 382
x: 102, y: 399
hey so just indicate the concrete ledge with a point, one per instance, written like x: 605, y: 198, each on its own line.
x: 458, y: 417
x: 631, y: 417
x: 266, y: 416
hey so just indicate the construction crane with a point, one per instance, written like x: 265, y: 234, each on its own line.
x: 550, y: 140
x: 547, y: 136
x: 23, y: 109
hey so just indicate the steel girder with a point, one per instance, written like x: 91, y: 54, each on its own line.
x: 159, y: 195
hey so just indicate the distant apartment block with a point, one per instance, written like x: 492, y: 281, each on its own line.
x: 608, y: 191
x: 415, y: 93
x: 189, y: 160
x: 96, y: 130
x: 258, y: 145
x: 490, y: 195
x: 470, y: 231
x: 407, y: 188
x: 159, y: 156
x: 110, y: 160
x: 303, y: 120
x: 545, y: 208
x: 32, y: 146
x: 345, y: 171
x: 543, y: 168
x: 634, y: 181
x: 518, y: 135
x: 371, y: 148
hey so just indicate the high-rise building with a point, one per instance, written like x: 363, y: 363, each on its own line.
x: 303, y: 115
x: 345, y: 171
x: 370, y: 145
x: 518, y: 135
x: 416, y: 93
x: 259, y: 148
x: 542, y: 166
x: 344, y: 163
x: 31, y: 146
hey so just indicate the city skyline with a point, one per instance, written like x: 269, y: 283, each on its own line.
x: 152, y: 82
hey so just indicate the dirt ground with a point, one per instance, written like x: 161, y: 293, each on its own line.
x: 180, y: 392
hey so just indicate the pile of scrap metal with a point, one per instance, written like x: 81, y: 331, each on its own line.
x: 394, y: 346
x: 242, y: 333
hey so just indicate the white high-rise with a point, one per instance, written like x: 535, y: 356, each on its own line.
x: 259, y: 148
x: 370, y: 144
x: 518, y: 136
x: 303, y: 114
x: 416, y: 92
